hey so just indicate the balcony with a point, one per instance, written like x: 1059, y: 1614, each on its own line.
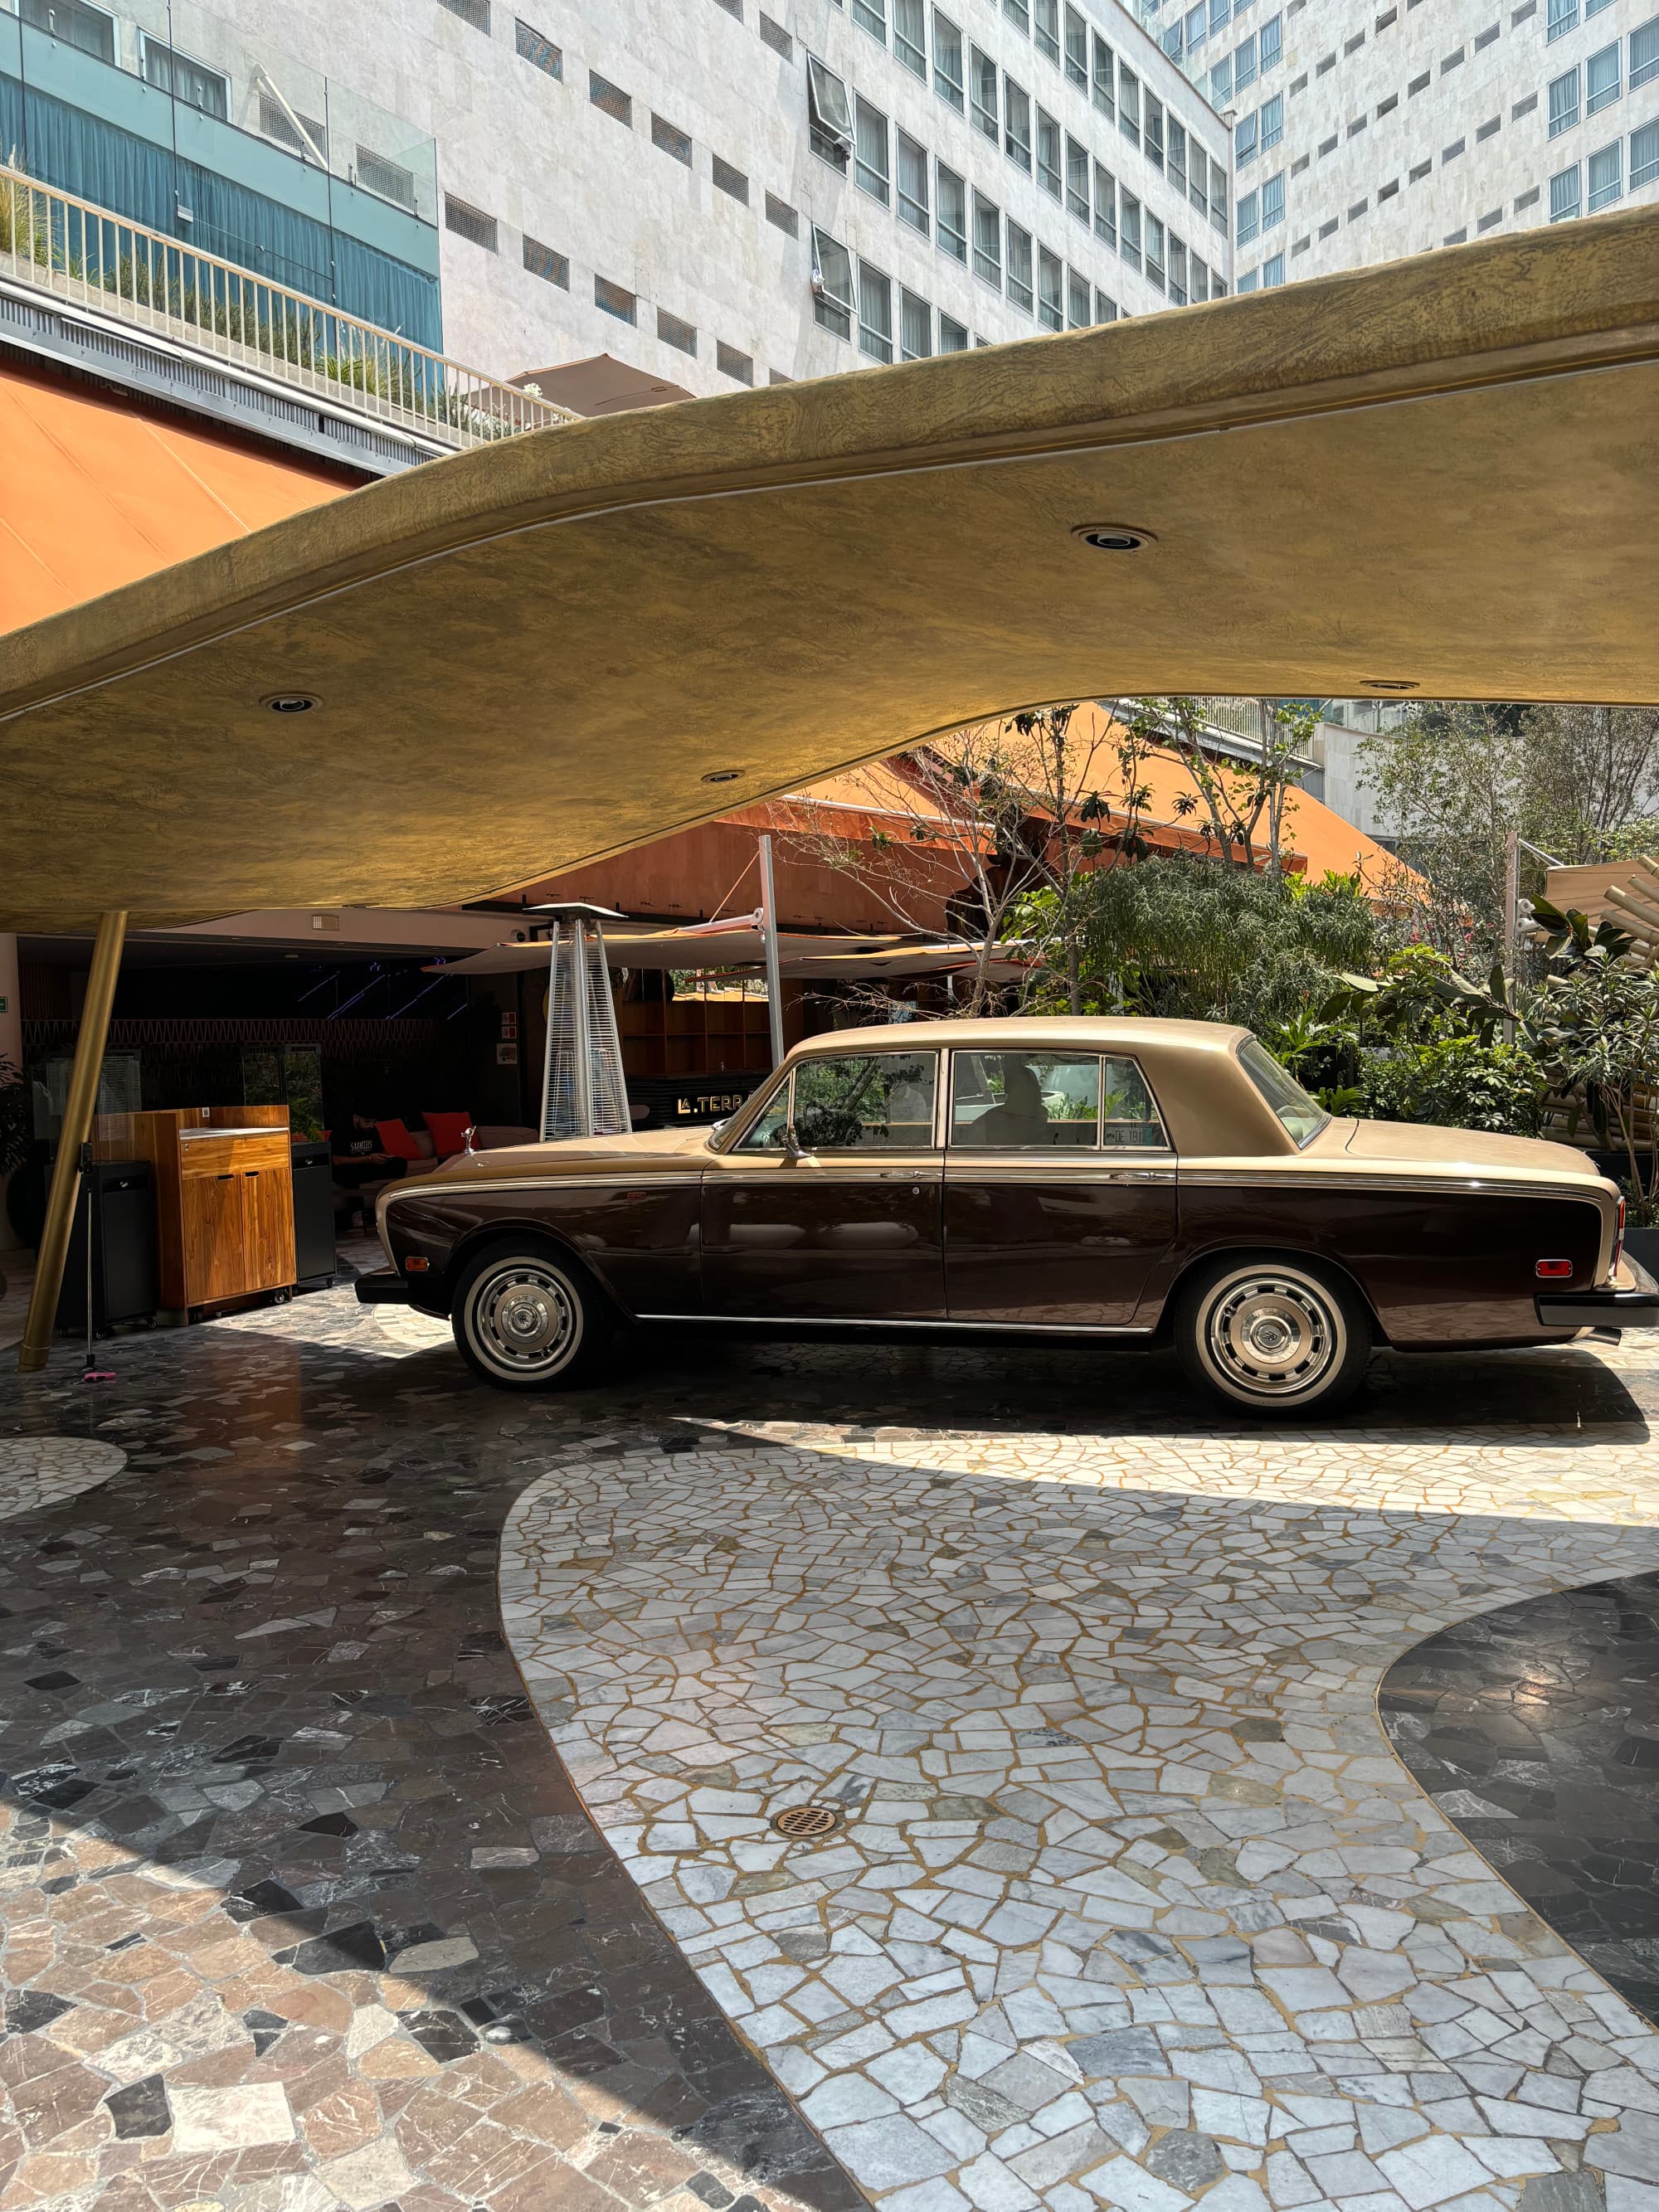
x: 83, y: 284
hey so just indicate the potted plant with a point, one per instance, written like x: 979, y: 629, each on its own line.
x: 1597, y: 1031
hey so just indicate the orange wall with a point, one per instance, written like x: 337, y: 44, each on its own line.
x: 95, y: 491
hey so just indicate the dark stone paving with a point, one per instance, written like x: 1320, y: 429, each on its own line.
x: 1536, y: 1730
x: 298, y: 1907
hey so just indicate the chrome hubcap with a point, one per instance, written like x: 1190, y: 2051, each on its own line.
x: 524, y: 1317
x: 1272, y: 1335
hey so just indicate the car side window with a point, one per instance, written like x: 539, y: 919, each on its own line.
x: 866, y: 1102
x: 1129, y: 1117
x: 765, y: 1134
x: 1025, y: 1101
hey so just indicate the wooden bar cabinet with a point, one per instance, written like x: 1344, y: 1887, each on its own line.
x: 224, y: 1198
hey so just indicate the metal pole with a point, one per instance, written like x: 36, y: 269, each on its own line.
x: 769, y: 934
x: 1511, y: 919
x: 75, y: 1132
x: 552, y: 1015
x: 583, y: 1040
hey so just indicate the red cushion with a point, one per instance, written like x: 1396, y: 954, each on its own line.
x: 448, y: 1132
x: 396, y: 1139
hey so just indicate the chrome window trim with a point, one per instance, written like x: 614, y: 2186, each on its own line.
x: 881, y: 1328
x: 846, y: 1153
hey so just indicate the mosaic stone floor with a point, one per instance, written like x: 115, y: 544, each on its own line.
x: 1536, y: 1730
x: 1131, y: 1904
x: 297, y: 1910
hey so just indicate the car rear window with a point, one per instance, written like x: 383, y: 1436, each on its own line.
x: 1305, y: 1117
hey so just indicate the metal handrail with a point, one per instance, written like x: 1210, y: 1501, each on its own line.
x: 85, y: 254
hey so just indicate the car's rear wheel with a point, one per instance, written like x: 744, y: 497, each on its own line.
x: 527, y: 1318
x: 1276, y: 1335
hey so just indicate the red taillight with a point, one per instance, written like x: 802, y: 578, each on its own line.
x: 1619, y: 1239
x: 1553, y: 1270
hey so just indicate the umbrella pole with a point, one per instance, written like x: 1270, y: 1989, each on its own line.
x: 75, y: 1132
x: 770, y: 933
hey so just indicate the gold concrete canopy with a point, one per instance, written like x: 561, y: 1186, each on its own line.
x: 1440, y: 472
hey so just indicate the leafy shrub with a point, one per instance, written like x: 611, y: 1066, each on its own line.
x: 1455, y: 1082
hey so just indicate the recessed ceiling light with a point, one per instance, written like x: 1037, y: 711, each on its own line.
x: 1113, y: 536
x: 722, y: 776
x: 290, y: 702
x: 1389, y: 684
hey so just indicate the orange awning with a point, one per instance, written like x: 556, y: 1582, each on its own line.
x: 95, y: 492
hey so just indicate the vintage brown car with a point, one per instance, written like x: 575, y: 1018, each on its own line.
x: 1138, y: 1183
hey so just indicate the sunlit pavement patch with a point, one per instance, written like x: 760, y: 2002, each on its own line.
x: 1134, y: 1904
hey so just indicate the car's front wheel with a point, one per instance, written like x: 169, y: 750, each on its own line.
x: 1278, y: 1336
x: 526, y: 1318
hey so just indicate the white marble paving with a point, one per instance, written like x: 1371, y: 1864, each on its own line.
x: 37, y: 1471
x: 1134, y: 1904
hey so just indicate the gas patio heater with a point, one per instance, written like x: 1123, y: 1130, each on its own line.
x: 583, y: 1093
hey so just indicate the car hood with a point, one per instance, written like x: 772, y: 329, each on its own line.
x: 1478, y: 1151
x: 645, y: 1150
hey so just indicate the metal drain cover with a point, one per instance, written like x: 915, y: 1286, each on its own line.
x: 806, y: 1824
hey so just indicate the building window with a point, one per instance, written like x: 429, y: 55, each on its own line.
x: 953, y: 335
x: 1563, y: 102
x: 873, y: 172
x: 872, y: 15
x: 1528, y: 198
x: 1417, y: 175
x: 1076, y: 300
x: 1128, y: 105
x: 1489, y: 221
x: 1606, y: 175
x: 542, y: 261
x: 1244, y: 64
x: 1178, y: 157
x: 1200, y: 279
x: 1563, y: 194
x: 1017, y: 125
x: 1020, y: 271
x: 1249, y: 218
x: 1045, y: 19
x: 829, y: 113
x: 1562, y: 17
x: 875, y: 312
x: 739, y: 366
x: 1451, y: 61
x: 982, y: 85
x: 832, y: 284
x: 776, y: 36
x: 1417, y: 84
x: 1105, y: 205
x: 1051, y: 290
x: 1489, y: 130
x: 668, y: 139
x: 1077, y: 179
x: 674, y: 332
x: 1049, y: 155
x: 913, y: 183
x: 1128, y: 234
x: 1643, y: 155
x: 910, y: 35
x: 1218, y: 196
x: 191, y: 83
x: 1178, y: 270
x: 1154, y: 136
x: 1272, y: 121
x: 533, y: 46
x: 1524, y: 107
x: 987, y: 240
x: 1018, y: 12
x: 1271, y: 41
x: 1249, y: 282
x: 1195, y: 192
x: 1357, y: 209
x: 1076, y: 50
x: 915, y: 327
x: 782, y: 215
x: 1602, y: 79
x: 610, y: 97
x: 1198, y: 23
x: 1644, y: 53
x: 1272, y: 272
x: 947, y: 62
x: 1154, y: 251
x: 1221, y: 84
x: 468, y: 221
x: 730, y: 180
x: 475, y: 12
x: 1244, y: 141
x: 1105, y: 97
x: 1272, y: 201
x: 1105, y: 308
x: 951, y: 212
x: 614, y: 300
x: 731, y: 8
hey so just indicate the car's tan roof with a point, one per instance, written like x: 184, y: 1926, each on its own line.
x: 1036, y: 1033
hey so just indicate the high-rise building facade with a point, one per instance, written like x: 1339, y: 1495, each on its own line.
x: 1375, y: 131
x: 711, y: 192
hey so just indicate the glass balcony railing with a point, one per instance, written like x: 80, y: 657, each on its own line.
x: 89, y: 257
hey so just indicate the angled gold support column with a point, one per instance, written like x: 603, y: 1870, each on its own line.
x: 75, y: 1132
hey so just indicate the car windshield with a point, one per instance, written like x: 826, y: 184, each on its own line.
x: 1303, y: 1116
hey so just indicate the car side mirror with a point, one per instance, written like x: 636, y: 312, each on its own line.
x: 793, y: 1151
